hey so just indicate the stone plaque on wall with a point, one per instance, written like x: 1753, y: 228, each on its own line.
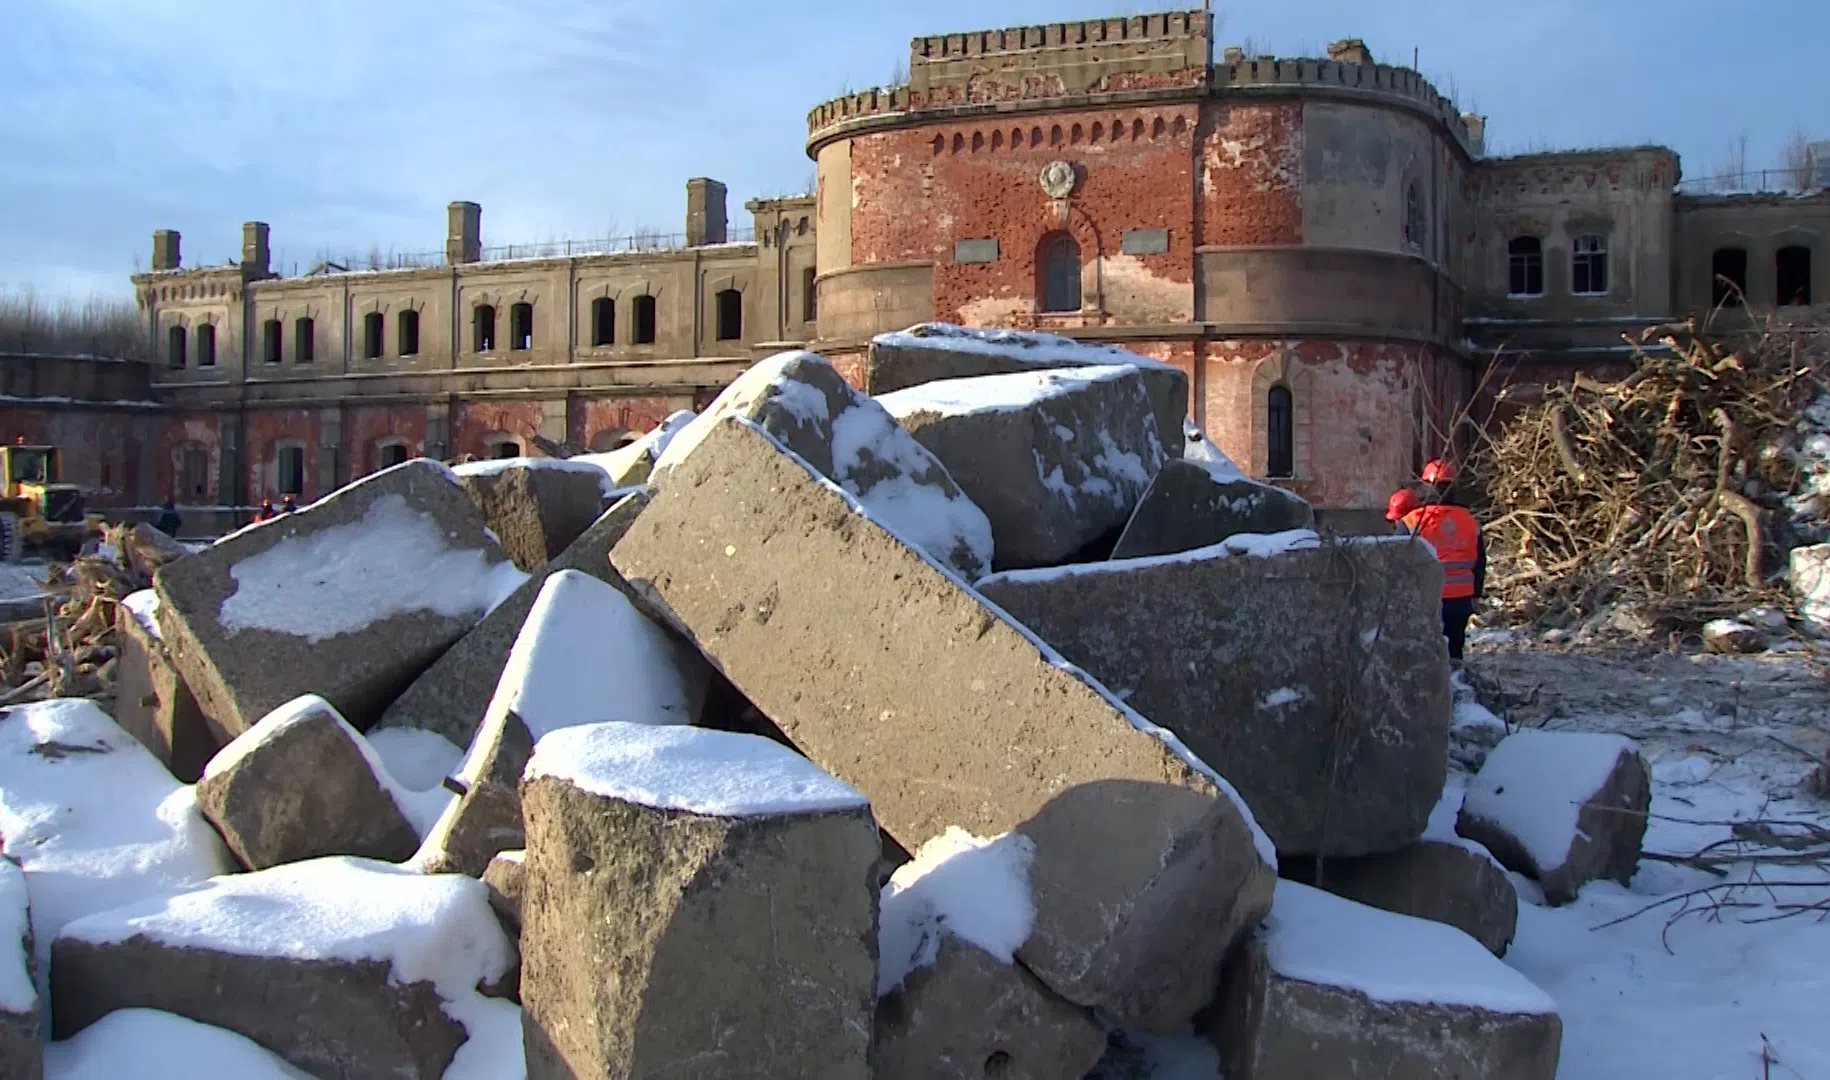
x: 1144, y: 241
x: 976, y: 251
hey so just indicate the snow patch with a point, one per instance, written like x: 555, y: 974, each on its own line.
x: 17, y: 995
x: 996, y: 393
x: 1316, y: 937
x: 144, y: 606
x: 1200, y: 449
x: 762, y: 379
x: 975, y: 889
x: 435, y: 928
x: 697, y: 770
x: 493, y: 1048
x: 1026, y: 346
x: 343, y: 579
x: 1283, y: 695
x: 1534, y: 784
x: 93, y: 819
x: 1261, y: 545
x: 149, y: 1045
x: 580, y: 464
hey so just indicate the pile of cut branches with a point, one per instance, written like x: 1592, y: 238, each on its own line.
x: 1666, y: 491
x: 69, y: 652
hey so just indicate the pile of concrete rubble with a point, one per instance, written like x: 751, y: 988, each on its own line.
x: 962, y: 730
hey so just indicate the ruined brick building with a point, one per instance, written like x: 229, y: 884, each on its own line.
x: 1321, y: 244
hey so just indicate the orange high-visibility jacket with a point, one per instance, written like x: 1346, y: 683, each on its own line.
x: 1456, y: 536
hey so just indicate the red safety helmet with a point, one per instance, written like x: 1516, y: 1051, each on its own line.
x: 1438, y: 471
x: 1402, y: 502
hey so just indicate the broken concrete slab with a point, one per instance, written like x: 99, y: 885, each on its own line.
x: 21, y: 1047
x: 677, y: 873
x: 302, y: 784
x: 346, y: 968
x: 934, y: 351
x: 1147, y: 868
x: 808, y: 407
x: 1562, y: 807
x: 535, y: 506
x: 1193, y: 504
x: 151, y: 700
x: 453, y: 694
x: 505, y: 877
x: 1057, y: 459
x: 1454, y: 882
x: 1732, y: 636
x: 969, y: 1014
x: 349, y: 598
x: 1327, y: 981
x: 585, y: 656
x: 1312, y: 675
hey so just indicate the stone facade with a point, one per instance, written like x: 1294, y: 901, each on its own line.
x: 1320, y: 243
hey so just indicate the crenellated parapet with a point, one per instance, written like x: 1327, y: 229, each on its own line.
x: 1399, y: 84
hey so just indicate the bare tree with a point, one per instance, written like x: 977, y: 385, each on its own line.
x: 1795, y: 161
x: 1733, y: 164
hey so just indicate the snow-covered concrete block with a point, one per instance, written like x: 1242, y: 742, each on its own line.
x: 585, y: 656
x: 453, y: 694
x: 21, y: 1050
x: 344, y: 967
x: 1454, y: 882
x: 350, y: 598
x: 878, y: 664
x: 934, y: 351
x: 1810, y: 571
x: 92, y: 818
x: 146, y: 1043
x: 505, y: 875
x: 630, y: 465
x: 1193, y: 504
x: 535, y: 506
x: 678, y: 874
x: 1310, y: 675
x: 1056, y: 459
x: 151, y: 700
x: 301, y: 784
x: 952, y: 1000
x: 1563, y: 807
x: 1732, y: 636
x: 846, y: 437
x: 1330, y: 988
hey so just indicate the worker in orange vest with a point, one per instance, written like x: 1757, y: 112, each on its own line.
x: 1456, y: 538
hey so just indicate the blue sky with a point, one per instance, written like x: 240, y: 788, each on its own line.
x: 349, y: 124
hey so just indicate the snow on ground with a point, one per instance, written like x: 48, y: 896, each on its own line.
x: 435, y: 928
x: 697, y: 770
x: 144, y: 605
x: 342, y: 579
x: 585, y: 655
x: 93, y: 818
x: 1317, y: 937
x: 17, y: 994
x: 149, y: 1045
x: 22, y: 581
x: 977, y: 890
x: 1028, y: 346
x: 1535, y: 782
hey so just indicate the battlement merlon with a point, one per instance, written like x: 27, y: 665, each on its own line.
x: 1161, y: 43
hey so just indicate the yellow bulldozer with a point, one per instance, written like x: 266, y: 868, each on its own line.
x: 38, y: 511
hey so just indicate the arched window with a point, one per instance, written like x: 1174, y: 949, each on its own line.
x: 644, y: 314
x: 1588, y: 266
x: 1058, y: 265
x: 290, y: 468
x: 270, y: 341
x: 304, y: 340
x: 1792, y: 275
x: 1413, y: 216
x: 409, y: 332
x: 175, y: 346
x: 390, y: 454
x: 521, y: 326
x: 603, y: 321
x: 206, y: 345
x: 730, y: 315
x: 1524, y: 266
x: 1728, y: 277
x: 372, y: 329
x: 1280, y: 432
x: 483, y: 328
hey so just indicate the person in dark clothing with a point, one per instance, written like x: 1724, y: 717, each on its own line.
x: 1460, y: 546
x: 288, y: 505
x: 169, y: 522
x: 266, y: 512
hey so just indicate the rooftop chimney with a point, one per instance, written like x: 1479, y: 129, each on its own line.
x: 463, y: 233
x: 165, y: 249
x: 1350, y: 51
x: 1476, y: 127
x: 705, y: 222
x: 255, y: 257
x: 1233, y: 55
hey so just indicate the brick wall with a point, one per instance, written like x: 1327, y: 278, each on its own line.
x: 102, y: 450
x: 269, y: 430
x: 597, y: 423
x: 473, y: 422
x: 366, y: 427
x: 1252, y: 174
